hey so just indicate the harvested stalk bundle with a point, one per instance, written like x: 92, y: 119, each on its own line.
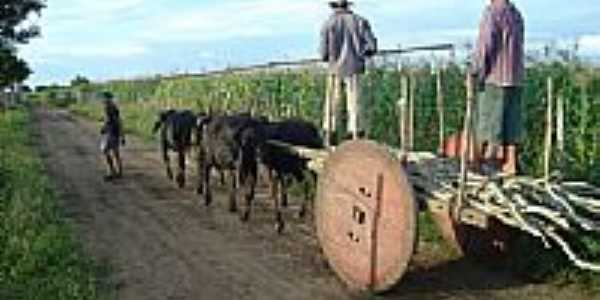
x: 550, y: 211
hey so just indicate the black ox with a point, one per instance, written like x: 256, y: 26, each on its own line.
x: 238, y: 143
x: 283, y: 164
x: 230, y: 144
x: 177, y: 131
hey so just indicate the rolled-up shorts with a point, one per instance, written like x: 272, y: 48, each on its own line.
x: 499, y: 117
x: 109, y: 142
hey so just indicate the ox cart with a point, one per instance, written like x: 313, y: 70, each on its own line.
x: 369, y: 196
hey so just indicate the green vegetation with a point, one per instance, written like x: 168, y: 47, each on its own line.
x: 281, y: 93
x: 39, y: 257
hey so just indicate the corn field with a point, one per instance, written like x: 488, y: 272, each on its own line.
x: 300, y: 92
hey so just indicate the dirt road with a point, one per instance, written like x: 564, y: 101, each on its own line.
x: 161, y: 243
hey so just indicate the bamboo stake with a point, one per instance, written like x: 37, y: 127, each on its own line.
x: 411, y: 113
x: 560, y: 124
x: 366, y: 111
x: 403, y: 107
x: 560, y: 130
x: 548, y: 144
x: 328, y: 110
x: 465, y: 146
x: 441, y: 111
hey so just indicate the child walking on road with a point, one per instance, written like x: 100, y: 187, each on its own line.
x: 112, y: 138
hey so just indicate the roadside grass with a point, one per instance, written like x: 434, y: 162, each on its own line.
x: 40, y: 257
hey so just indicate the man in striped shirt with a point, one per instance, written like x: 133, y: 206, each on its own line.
x: 346, y: 42
x: 499, y: 67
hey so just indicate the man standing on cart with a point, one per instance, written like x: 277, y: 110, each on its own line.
x: 499, y: 67
x: 346, y: 42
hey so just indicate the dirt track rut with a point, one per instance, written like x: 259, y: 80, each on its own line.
x: 161, y: 243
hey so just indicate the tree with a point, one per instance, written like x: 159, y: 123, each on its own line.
x: 13, y: 31
x: 80, y: 81
x: 13, y: 14
x: 12, y: 68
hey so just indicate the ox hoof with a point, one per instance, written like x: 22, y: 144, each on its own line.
x: 233, y: 209
x: 199, y: 191
x: 207, y: 200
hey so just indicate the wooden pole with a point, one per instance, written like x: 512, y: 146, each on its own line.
x: 366, y: 111
x: 441, y: 110
x: 560, y: 123
x: 560, y: 128
x: 548, y: 144
x: 403, y: 107
x: 411, y: 113
x: 464, y: 157
x: 328, y: 110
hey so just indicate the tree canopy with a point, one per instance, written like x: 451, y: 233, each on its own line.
x: 13, y: 31
x: 79, y: 81
x: 12, y: 68
x: 13, y: 14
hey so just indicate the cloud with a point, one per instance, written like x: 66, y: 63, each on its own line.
x: 50, y: 51
x: 236, y: 19
x: 212, y: 22
x: 589, y: 44
x: 85, y: 9
x: 121, y: 50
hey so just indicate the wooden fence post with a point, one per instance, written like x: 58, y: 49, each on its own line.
x: 466, y: 146
x: 411, y: 113
x: 366, y: 111
x: 327, y: 113
x: 560, y: 128
x: 548, y: 143
x: 403, y: 108
x: 440, y: 107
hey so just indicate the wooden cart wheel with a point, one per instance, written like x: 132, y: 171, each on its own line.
x: 366, y: 216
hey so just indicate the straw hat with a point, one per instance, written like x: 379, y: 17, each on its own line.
x: 340, y: 3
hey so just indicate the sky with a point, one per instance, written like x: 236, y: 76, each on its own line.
x: 117, y: 39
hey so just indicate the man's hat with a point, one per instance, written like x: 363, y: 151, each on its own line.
x: 340, y: 3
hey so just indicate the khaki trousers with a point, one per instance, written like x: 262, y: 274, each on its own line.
x: 335, y: 85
